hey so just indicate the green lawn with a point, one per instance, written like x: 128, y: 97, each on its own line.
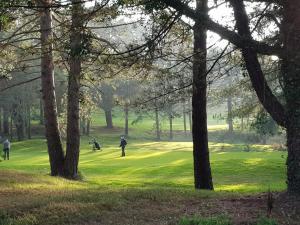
x: 159, y: 165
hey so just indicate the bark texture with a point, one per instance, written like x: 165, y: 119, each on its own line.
x: 55, y: 149
x: 108, y: 119
x: 290, y: 75
x: 202, y: 170
x: 73, y: 128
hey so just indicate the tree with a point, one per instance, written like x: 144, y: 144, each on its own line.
x: 202, y: 171
x: 287, y: 49
x: 264, y: 125
x: 55, y: 149
x: 77, y: 50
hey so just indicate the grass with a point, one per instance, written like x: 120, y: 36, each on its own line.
x: 153, y: 184
x: 161, y: 165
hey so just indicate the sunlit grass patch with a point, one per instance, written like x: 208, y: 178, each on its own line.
x: 149, y: 164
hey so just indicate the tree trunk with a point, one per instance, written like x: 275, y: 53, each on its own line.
x: 202, y: 170
x: 157, y: 123
x: 242, y: 123
x: 88, y: 125
x: 83, y: 126
x: 171, y: 127
x: 5, y: 120
x: 1, y: 116
x: 108, y: 119
x: 11, y: 132
x: 73, y: 129
x: 28, y: 122
x: 190, y: 121
x: 41, y: 112
x: 229, y: 114
x: 184, y: 118
x: 290, y: 75
x: 18, y: 118
x: 126, y: 119
x: 258, y: 80
x: 55, y: 150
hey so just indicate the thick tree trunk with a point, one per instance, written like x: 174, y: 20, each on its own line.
x: 229, y: 114
x: 202, y: 170
x: 108, y: 119
x: 55, y: 150
x: 126, y: 119
x: 73, y: 129
x: 290, y: 75
x: 5, y: 120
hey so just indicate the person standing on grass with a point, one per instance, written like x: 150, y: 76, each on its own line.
x: 123, y: 143
x: 6, y: 149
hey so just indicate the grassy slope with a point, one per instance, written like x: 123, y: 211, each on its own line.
x: 152, y: 185
x: 161, y: 165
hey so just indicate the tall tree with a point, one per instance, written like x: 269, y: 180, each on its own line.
x: 290, y: 74
x: 55, y: 149
x: 202, y: 170
x: 75, y: 60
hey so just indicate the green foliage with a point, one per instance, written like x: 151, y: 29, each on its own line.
x: 264, y: 124
x: 221, y: 220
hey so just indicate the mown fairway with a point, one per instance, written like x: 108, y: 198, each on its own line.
x: 160, y: 165
x: 153, y: 184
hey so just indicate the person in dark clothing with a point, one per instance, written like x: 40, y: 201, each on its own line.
x: 123, y: 144
x: 96, y: 145
x: 6, y: 149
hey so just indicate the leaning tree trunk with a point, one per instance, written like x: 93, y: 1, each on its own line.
x: 108, y: 119
x: 55, y: 150
x: 202, y: 170
x: 73, y: 128
x: 289, y: 116
x: 229, y: 114
x: 290, y: 75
